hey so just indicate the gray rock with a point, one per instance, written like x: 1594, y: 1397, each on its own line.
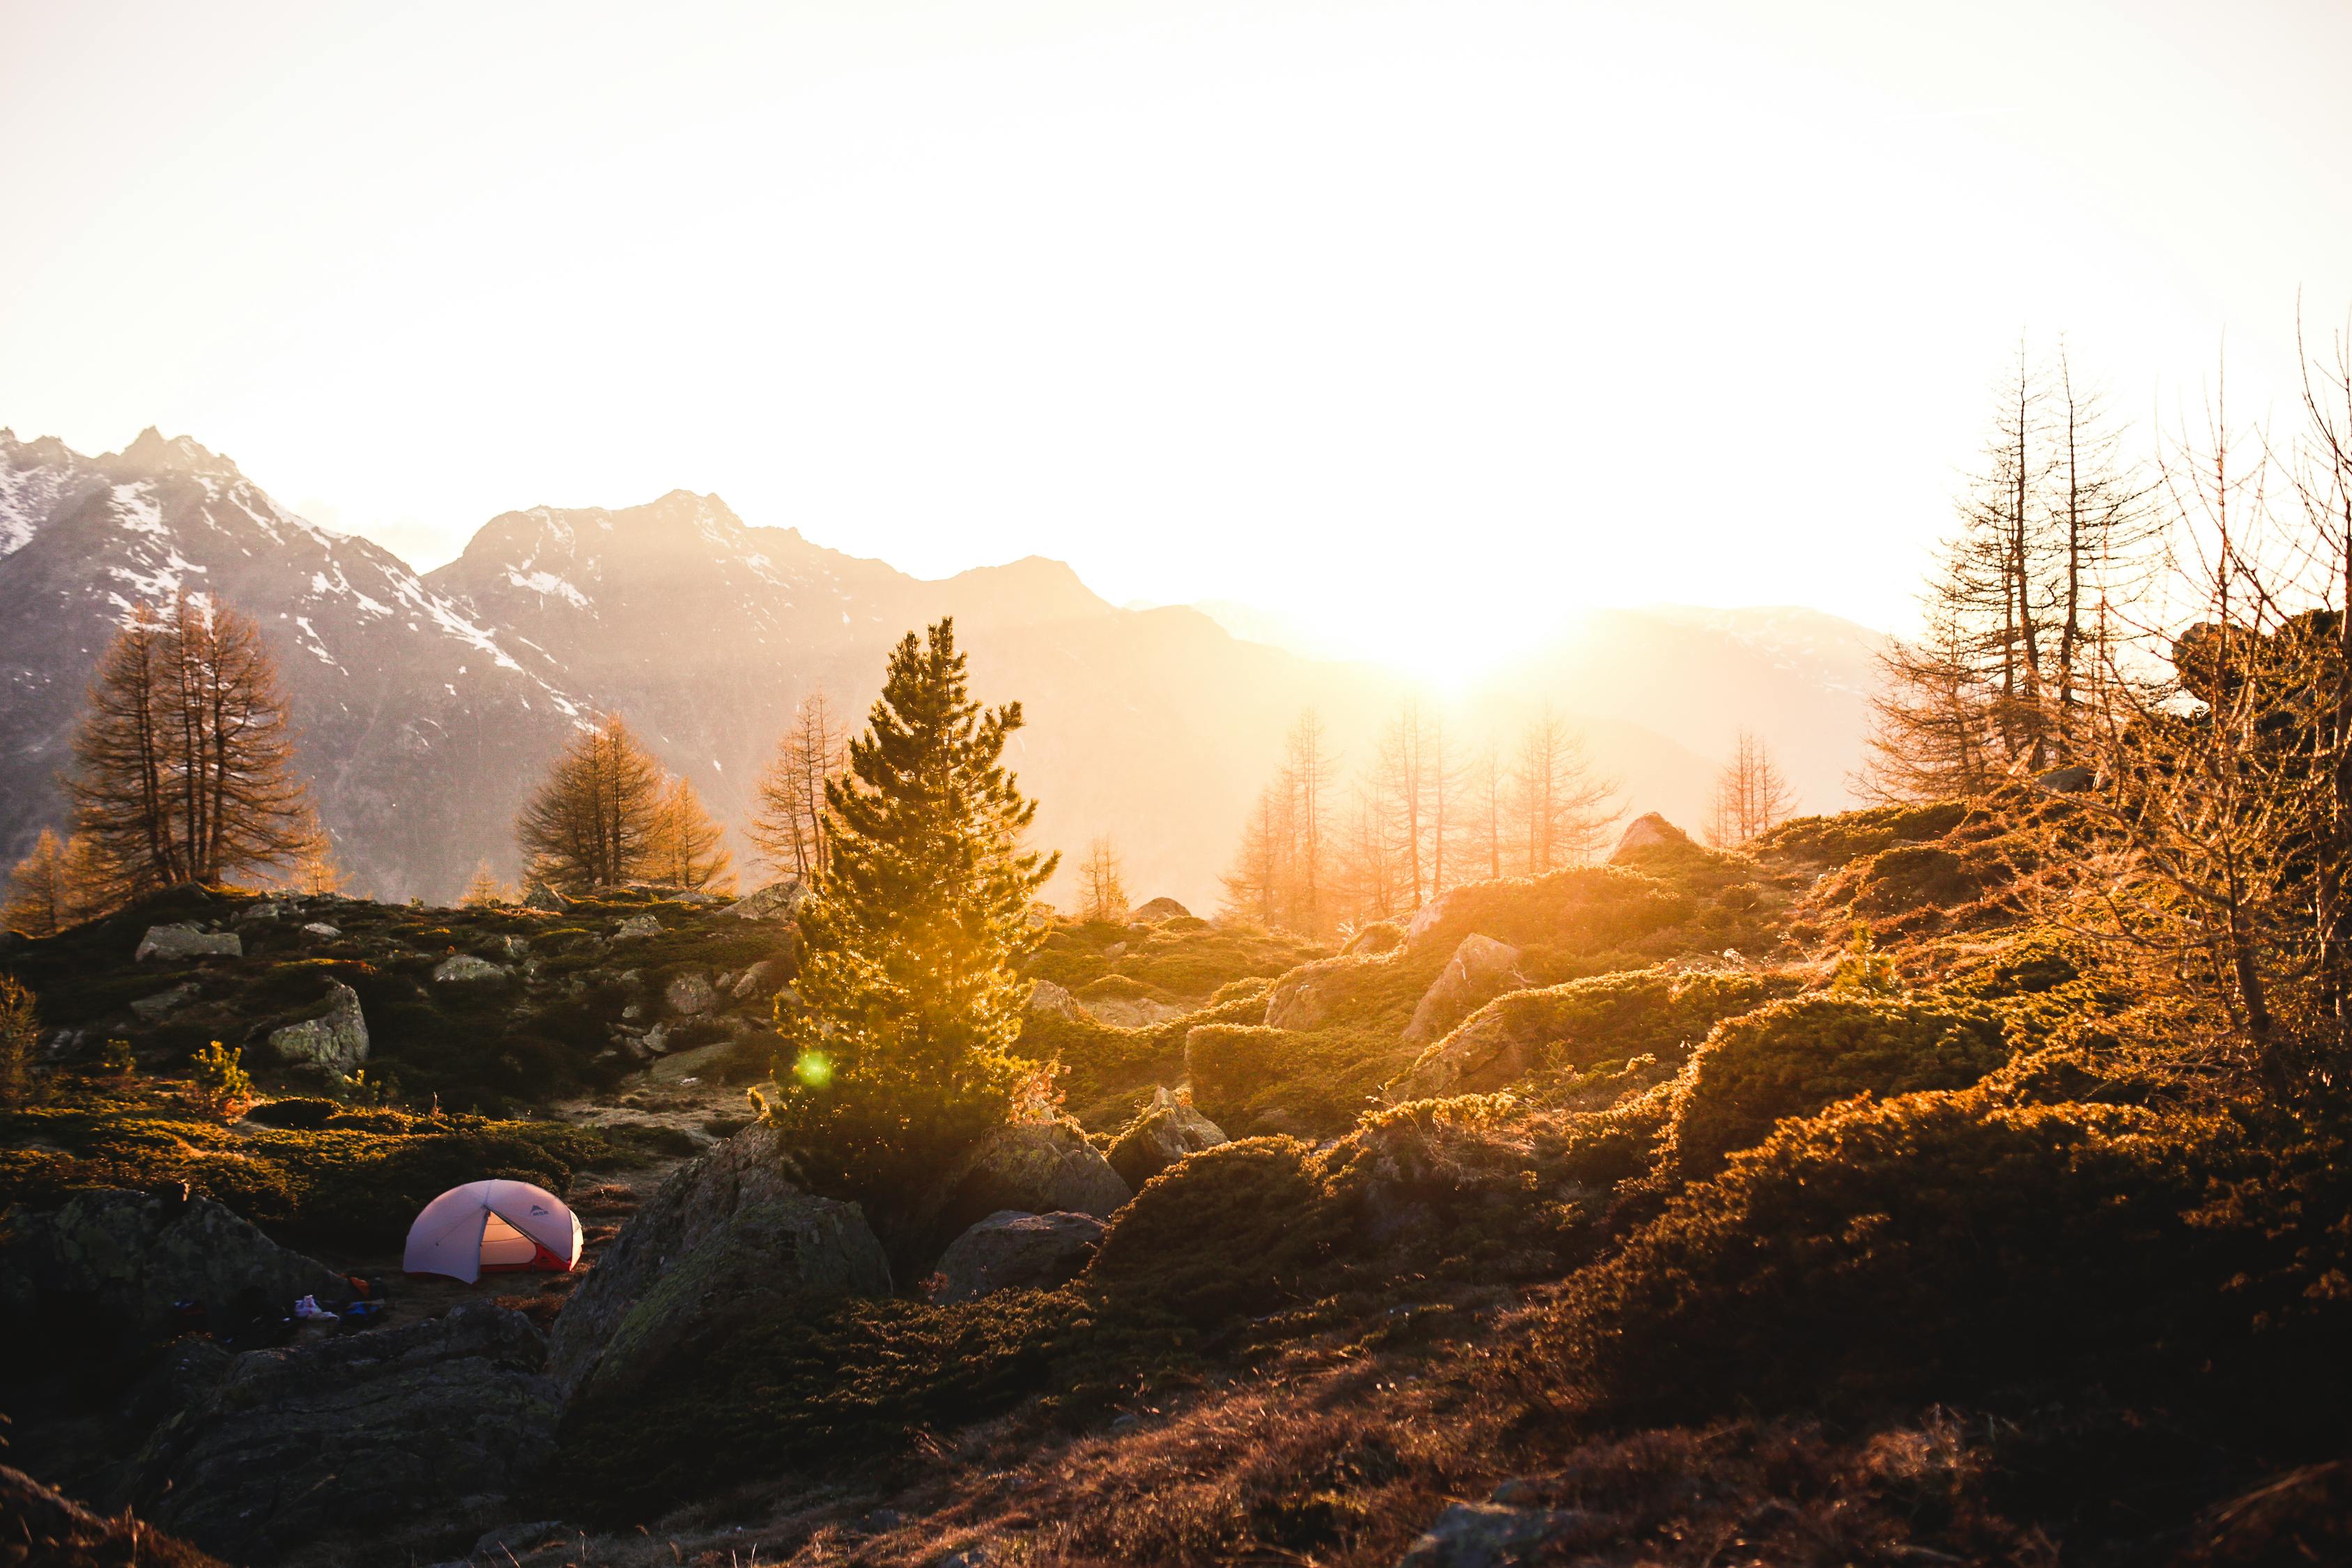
x: 636, y: 927
x: 465, y: 969
x: 545, y: 899
x: 712, y: 1249
x: 1015, y: 1251
x: 165, y: 1002
x: 512, y: 948
x: 335, y: 1042
x: 1168, y: 1130
x: 443, y: 1422
x: 322, y: 929
x: 1490, y: 1050
x: 657, y: 1039
x: 183, y: 940
x: 1650, y: 831
x: 779, y: 900
x: 121, y: 1259
x: 1488, y: 1535
x: 759, y: 979
x: 1054, y: 1001
x: 1302, y: 998
x: 2074, y: 780
x: 1033, y: 1168
x: 1161, y: 909
x: 1480, y: 967
x: 1131, y: 1012
x: 690, y: 993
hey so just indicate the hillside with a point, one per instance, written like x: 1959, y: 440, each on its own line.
x: 427, y: 704
x: 1649, y: 1213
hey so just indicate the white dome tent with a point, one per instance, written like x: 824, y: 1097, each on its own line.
x: 489, y: 1227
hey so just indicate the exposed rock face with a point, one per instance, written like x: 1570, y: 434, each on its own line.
x: 1300, y: 1000
x: 1054, y: 1000
x: 1487, y: 1051
x: 126, y: 1257
x: 1650, y: 831
x: 183, y: 941
x: 1015, y: 1251
x: 1129, y: 1011
x: 336, y: 1042
x: 1161, y: 909
x: 445, y: 1419
x: 760, y: 980
x: 1492, y: 1535
x: 776, y: 901
x: 464, y: 968
x: 637, y: 926
x: 714, y: 1246
x: 1479, y: 968
x: 1168, y: 1129
x: 690, y: 993
x: 164, y: 1003
x: 1030, y: 1167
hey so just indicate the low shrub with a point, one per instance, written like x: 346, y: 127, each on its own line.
x: 1794, y: 1057
x: 1233, y: 1230
x: 1847, y: 836
x: 1249, y: 1078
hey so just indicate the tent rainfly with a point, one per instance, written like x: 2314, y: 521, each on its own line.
x: 488, y: 1228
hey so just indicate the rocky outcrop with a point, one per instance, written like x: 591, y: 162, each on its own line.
x: 636, y: 928
x: 1490, y: 1049
x: 120, y: 1259
x: 164, y: 1004
x: 546, y: 900
x: 1161, y: 909
x: 714, y: 1246
x: 764, y: 978
x: 1650, y: 831
x: 1032, y: 1167
x: 464, y: 968
x: 779, y: 900
x: 176, y: 943
x: 1480, y: 968
x: 1131, y: 1012
x: 1168, y: 1130
x: 690, y: 993
x: 335, y: 1042
x: 1302, y: 999
x: 445, y: 1420
x: 1054, y: 1001
x: 1495, y: 1535
x: 1015, y: 1251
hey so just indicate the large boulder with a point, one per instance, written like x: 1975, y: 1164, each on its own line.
x: 1168, y: 1130
x: 1131, y: 1012
x: 1480, y: 967
x: 1033, y: 1168
x: 1013, y: 1251
x: 764, y: 978
x: 1054, y: 1001
x: 164, y: 1004
x: 118, y: 1261
x: 1490, y: 1049
x: 779, y: 900
x: 636, y: 928
x: 1161, y: 909
x: 334, y: 1043
x: 1303, y: 998
x: 1646, y: 832
x: 690, y: 993
x: 183, y: 940
x: 714, y: 1248
x: 545, y: 899
x: 464, y: 968
x: 438, y: 1425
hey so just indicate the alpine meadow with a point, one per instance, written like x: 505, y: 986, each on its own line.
x: 1421, y: 785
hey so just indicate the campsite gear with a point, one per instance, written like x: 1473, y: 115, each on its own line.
x: 308, y: 1308
x: 485, y: 1227
x: 364, y: 1313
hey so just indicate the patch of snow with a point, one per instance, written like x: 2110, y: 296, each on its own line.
x: 545, y: 582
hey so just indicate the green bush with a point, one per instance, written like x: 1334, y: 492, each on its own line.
x: 1794, y: 1056
x: 1934, y: 1247
x: 1249, y: 1078
x: 1232, y: 1231
x: 1658, y: 1012
x: 1835, y: 840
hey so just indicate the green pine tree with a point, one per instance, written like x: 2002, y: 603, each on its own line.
x: 911, y: 938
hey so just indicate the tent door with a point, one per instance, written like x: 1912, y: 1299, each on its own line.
x: 504, y: 1246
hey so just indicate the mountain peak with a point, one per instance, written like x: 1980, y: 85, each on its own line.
x: 154, y: 453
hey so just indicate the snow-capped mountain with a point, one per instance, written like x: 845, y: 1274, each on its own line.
x: 406, y: 707
x: 428, y: 706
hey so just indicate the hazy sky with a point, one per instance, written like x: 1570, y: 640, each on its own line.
x: 1417, y: 321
